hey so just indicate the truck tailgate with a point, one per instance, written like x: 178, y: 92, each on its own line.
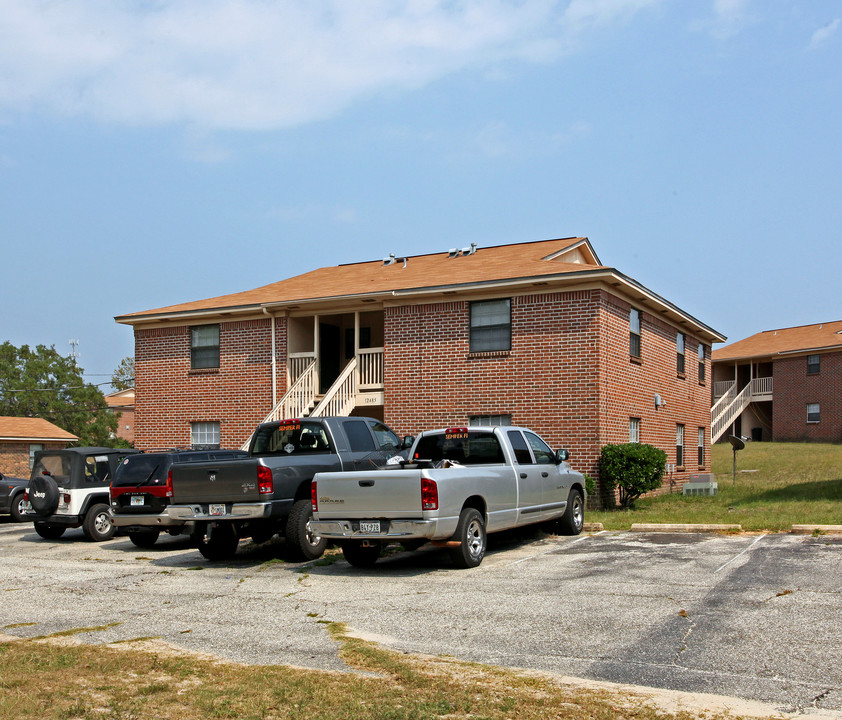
x: 216, y: 482
x: 384, y: 493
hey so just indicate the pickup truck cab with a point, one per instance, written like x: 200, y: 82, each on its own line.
x: 142, y: 487
x: 269, y: 491
x: 460, y: 484
x: 69, y: 489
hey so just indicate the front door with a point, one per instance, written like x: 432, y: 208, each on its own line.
x: 329, y: 354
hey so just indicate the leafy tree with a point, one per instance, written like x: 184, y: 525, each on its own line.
x: 123, y: 376
x: 634, y: 468
x: 41, y: 383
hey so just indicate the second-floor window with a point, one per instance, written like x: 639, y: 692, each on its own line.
x: 204, y: 347
x: 814, y: 413
x: 679, y: 350
x: 701, y: 364
x: 491, y: 325
x: 814, y: 364
x: 634, y: 333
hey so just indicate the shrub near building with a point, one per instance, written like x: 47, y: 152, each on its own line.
x: 633, y: 468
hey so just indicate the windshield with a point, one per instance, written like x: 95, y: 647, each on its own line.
x: 145, y: 469
x: 58, y: 466
x: 464, y: 447
x: 293, y: 437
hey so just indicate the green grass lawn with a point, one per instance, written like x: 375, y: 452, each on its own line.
x: 777, y: 485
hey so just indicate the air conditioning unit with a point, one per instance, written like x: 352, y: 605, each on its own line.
x: 703, y: 484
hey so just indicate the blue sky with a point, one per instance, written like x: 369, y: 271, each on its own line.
x: 160, y: 151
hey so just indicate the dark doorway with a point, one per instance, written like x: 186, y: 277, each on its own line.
x: 329, y: 354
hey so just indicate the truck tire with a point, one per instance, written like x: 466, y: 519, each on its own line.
x: 221, y: 545
x: 16, y: 508
x: 49, y: 532
x: 144, y: 538
x: 574, y: 516
x: 302, y: 543
x: 43, y: 495
x: 360, y: 555
x: 97, y: 524
x: 470, y: 533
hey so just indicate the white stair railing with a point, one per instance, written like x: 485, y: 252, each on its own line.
x: 341, y: 398
x: 726, y: 399
x: 719, y: 424
x: 370, y: 368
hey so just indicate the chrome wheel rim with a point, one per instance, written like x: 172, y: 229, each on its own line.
x: 102, y: 524
x: 474, y: 539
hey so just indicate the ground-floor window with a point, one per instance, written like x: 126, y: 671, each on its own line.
x: 701, y: 446
x: 634, y: 430
x: 204, y: 435
x: 679, y: 445
x: 37, y: 447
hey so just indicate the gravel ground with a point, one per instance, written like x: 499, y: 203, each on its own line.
x: 757, y: 617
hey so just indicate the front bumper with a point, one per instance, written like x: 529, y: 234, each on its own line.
x: 397, y: 530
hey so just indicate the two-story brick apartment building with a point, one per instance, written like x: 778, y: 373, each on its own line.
x: 539, y: 334
x: 781, y: 384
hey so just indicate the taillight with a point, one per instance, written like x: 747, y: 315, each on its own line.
x: 314, y: 497
x: 67, y: 498
x: 26, y: 495
x: 264, y: 480
x: 429, y: 494
x: 168, y: 491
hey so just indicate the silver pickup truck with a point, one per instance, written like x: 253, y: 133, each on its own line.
x: 458, y: 485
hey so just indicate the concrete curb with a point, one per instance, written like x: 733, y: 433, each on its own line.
x: 592, y: 527
x: 810, y: 529
x: 685, y: 527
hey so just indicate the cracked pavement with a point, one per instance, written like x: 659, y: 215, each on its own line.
x: 750, y: 616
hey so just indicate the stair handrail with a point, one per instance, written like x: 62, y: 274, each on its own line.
x: 720, y: 423
x: 725, y: 400
x: 341, y: 397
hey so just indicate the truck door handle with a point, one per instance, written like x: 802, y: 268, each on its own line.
x: 523, y: 475
x: 543, y: 474
x: 366, y: 483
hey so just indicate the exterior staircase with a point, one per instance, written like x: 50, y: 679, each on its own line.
x: 732, y: 403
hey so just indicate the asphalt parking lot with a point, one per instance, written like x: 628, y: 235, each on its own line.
x: 750, y: 616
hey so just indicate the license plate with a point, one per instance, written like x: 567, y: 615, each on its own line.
x: 217, y: 509
x: 137, y: 500
x: 371, y: 526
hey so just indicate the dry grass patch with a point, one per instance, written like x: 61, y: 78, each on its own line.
x: 45, y: 680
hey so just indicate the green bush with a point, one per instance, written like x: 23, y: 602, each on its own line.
x: 634, y: 468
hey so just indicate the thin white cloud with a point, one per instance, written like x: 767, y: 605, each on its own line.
x: 253, y: 64
x: 728, y: 19
x: 822, y: 35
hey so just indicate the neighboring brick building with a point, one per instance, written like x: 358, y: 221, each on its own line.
x: 22, y: 437
x: 537, y: 334
x: 121, y: 403
x: 781, y: 384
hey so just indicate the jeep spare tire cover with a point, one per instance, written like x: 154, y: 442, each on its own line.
x: 43, y: 495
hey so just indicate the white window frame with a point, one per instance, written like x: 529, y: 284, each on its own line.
x: 680, y: 342
x: 814, y: 413
x: 634, y: 430
x: 34, y: 448
x: 204, y: 434
x: 634, y: 332
x: 679, y: 446
x: 701, y: 446
x: 490, y: 420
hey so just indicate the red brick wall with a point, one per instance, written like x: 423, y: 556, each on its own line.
x: 14, y: 456
x: 794, y: 388
x: 568, y: 375
x: 169, y: 395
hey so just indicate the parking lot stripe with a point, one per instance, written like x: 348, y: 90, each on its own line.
x: 724, y: 565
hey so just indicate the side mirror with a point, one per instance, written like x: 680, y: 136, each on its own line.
x: 407, y: 442
x: 562, y: 456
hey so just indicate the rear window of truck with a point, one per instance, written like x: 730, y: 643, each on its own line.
x: 467, y: 448
x: 291, y: 438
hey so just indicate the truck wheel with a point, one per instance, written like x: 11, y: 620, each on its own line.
x: 302, y: 542
x: 97, y: 524
x: 16, y: 509
x: 144, y: 538
x: 574, y: 516
x: 470, y: 532
x: 49, y: 532
x: 221, y: 545
x: 360, y: 555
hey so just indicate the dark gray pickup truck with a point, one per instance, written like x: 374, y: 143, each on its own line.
x: 269, y: 492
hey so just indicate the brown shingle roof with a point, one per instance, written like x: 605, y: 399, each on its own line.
x: 805, y: 338
x: 23, y: 428
x: 504, y: 262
